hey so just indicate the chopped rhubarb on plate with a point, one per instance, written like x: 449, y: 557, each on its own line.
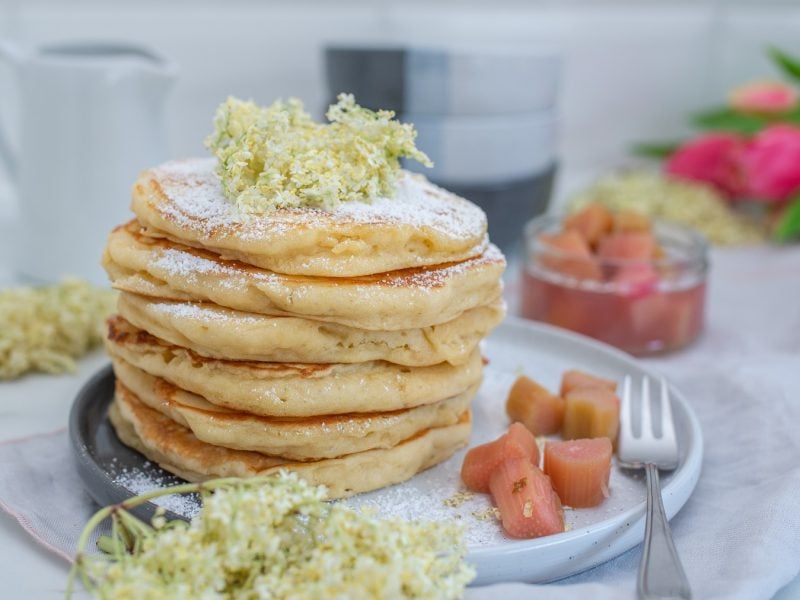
x: 528, y: 505
x: 591, y: 413
x: 579, y: 470
x: 481, y: 461
x: 535, y: 407
x: 574, y: 379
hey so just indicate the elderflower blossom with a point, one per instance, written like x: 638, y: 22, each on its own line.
x: 278, y: 157
x: 683, y: 202
x: 46, y: 329
x: 276, y: 538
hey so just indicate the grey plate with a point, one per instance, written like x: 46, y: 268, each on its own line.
x: 100, y: 457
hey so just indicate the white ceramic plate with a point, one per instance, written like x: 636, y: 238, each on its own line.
x: 595, y: 535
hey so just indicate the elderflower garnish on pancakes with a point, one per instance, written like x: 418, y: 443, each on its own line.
x: 279, y: 157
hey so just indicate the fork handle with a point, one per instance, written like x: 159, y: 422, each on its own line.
x: 660, y: 573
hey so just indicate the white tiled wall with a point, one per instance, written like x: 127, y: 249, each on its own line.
x: 632, y: 68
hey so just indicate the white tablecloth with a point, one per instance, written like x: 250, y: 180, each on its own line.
x: 739, y: 534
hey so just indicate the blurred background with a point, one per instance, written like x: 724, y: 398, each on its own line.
x: 631, y: 69
x: 626, y: 71
x: 617, y: 72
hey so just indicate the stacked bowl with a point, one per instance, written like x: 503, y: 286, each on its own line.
x: 486, y: 117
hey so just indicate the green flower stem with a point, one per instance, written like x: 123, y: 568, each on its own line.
x: 105, y: 543
x: 135, y: 527
x: 115, y: 533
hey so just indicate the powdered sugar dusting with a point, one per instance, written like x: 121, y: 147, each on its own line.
x: 197, y: 203
x: 425, y: 498
x: 420, y: 204
x: 431, y: 277
x: 183, y: 262
x: 195, y: 193
x: 202, y: 312
x: 178, y: 262
x: 151, y: 477
x: 188, y: 265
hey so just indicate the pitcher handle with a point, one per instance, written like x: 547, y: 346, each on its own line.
x: 15, y: 55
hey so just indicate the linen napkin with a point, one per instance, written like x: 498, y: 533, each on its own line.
x: 739, y: 533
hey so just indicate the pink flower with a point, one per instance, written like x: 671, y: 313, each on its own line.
x: 764, y: 97
x: 713, y: 158
x: 771, y: 163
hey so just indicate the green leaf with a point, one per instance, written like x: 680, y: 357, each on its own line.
x: 659, y: 150
x: 793, y: 116
x: 788, y: 64
x: 788, y: 226
x: 726, y: 119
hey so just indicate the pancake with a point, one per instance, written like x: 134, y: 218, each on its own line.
x: 408, y: 299
x: 218, y: 332
x: 291, y: 389
x: 421, y: 225
x: 177, y: 450
x: 301, y: 439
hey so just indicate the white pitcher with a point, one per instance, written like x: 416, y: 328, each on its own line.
x: 91, y: 119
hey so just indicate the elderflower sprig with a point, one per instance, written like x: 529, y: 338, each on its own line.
x: 47, y: 328
x: 685, y: 202
x: 277, y: 156
x: 269, y: 537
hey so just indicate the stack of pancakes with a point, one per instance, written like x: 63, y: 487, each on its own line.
x: 341, y: 343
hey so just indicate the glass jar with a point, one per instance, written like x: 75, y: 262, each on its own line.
x: 640, y: 306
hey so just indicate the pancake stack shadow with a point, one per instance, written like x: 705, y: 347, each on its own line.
x: 340, y: 344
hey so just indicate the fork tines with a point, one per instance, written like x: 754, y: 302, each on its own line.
x: 647, y: 447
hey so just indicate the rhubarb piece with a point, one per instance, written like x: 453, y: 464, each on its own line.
x: 569, y: 253
x: 636, y: 279
x: 528, y: 505
x: 628, y: 220
x: 579, y: 470
x: 533, y: 406
x: 565, y: 306
x: 573, y: 379
x: 632, y: 245
x: 592, y: 222
x: 481, y: 461
x: 591, y: 413
x: 667, y: 320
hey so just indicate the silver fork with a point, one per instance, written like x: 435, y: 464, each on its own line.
x: 661, y: 574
